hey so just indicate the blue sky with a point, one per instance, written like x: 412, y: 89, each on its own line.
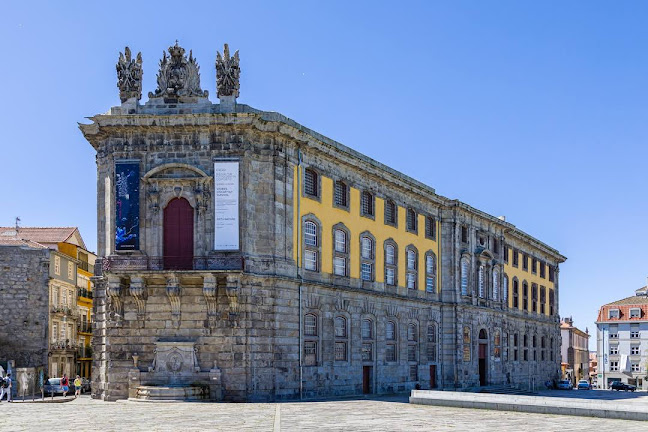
x: 532, y: 110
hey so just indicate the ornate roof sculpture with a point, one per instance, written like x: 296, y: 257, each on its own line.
x: 227, y: 73
x: 129, y: 76
x: 178, y: 76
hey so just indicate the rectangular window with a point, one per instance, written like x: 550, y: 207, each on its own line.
x: 339, y: 266
x: 634, y: 334
x: 534, y: 266
x: 430, y: 227
x: 614, y: 349
x: 70, y: 271
x: 495, y: 246
x: 635, y: 313
x: 634, y: 350
x: 340, y: 241
x: 366, y: 204
x: 55, y: 331
x: 310, y: 353
x: 614, y: 335
x: 57, y: 265
x: 614, y: 366
x: 636, y: 367
x: 515, y: 258
x: 542, y: 270
x: 341, y: 194
x: 310, y: 183
x: 411, y: 353
x: 390, y: 353
x: 429, y: 284
x: 390, y: 276
x: 525, y: 262
x: 366, y: 271
x: 464, y: 234
x: 310, y: 260
x: 411, y: 220
x: 340, y: 351
x: 390, y: 212
x: 505, y: 249
x: 411, y: 280
x: 613, y: 313
x: 413, y: 373
x: 551, y: 274
x: 367, y: 352
x: 543, y: 299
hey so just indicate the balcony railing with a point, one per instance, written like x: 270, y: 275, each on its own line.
x: 61, y: 345
x: 64, y: 310
x: 83, y: 292
x: 86, y: 266
x: 85, y: 328
x: 143, y: 263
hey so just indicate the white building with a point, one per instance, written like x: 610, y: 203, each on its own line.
x: 622, y: 341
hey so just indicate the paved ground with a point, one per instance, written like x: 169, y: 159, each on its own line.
x: 383, y: 414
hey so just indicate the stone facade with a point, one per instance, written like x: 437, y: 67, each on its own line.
x: 255, y: 315
x: 24, y: 274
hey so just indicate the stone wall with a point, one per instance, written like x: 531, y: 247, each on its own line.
x: 24, y: 301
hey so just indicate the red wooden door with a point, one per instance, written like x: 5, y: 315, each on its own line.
x: 178, y: 235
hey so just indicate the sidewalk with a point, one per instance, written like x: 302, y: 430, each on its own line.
x: 573, y: 406
x: 38, y: 399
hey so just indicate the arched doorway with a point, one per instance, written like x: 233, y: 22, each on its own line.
x: 483, y: 354
x: 178, y: 235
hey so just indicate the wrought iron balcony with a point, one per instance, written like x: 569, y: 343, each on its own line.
x: 83, y: 292
x: 83, y: 265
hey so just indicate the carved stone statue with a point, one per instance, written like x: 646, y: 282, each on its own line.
x: 227, y: 73
x: 129, y: 76
x: 178, y: 76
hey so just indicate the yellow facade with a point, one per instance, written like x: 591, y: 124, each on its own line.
x: 526, y: 275
x: 357, y: 224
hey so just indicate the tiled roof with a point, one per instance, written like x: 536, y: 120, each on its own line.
x: 624, y: 306
x: 39, y: 235
x: 12, y: 241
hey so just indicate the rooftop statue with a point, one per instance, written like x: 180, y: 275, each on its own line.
x: 227, y: 73
x: 178, y: 76
x: 129, y: 76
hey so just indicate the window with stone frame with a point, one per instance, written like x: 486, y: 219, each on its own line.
x: 516, y: 293
x: 505, y: 351
x: 341, y: 339
x: 634, y: 350
x: 535, y: 346
x: 55, y: 296
x: 552, y: 301
x: 465, y: 265
x: 55, y: 331
x: 635, y: 312
x: 496, y: 282
x: 481, y: 281
x: 430, y: 227
x: 311, y: 245
x: 505, y: 290
x: 515, y: 347
x: 57, y: 265
x: 634, y: 333
x: 525, y: 342
x: 412, y: 343
x: 367, y: 333
x: 340, y: 251
x: 432, y: 343
x: 636, y: 367
x: 614, y: 349
x: 70, y: 270
x: 614, y: 313
x: 464, y: 234
x: 497, y: 345
x: 542, y: 269
x: 534, y: 265
x: 411, y: 220
x: 552, y: 272
x: 413, y: 372
x: 391, y: 264
x: 534, y: 297
x: 311, y: 339
x: 311, y: 183
x: 467, y: 344
x: 505, y: 251
x: 525, y: 296
x: 367, y: 256
x: 367, y: 204
x: 543, y: 299
x: 391, y: 213
x: 543, y: 348
x: 525, y: 262
x: 495, y: 246
x: 551, y: 350
x: 516, y: 257
x: 341, y: 195
x: 412, y: 273
x: 430, y: 272
x: 64, y: 299
x: 391, y: 336
x: 614, y: 366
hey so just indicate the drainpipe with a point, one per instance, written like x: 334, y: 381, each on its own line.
x: 298, y: 222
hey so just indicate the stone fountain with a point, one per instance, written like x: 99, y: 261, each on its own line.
x: 174, y: 375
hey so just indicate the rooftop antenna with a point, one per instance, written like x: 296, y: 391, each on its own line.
x: 17, y: 223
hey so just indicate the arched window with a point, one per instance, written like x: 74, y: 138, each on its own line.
x: 430, y: 272
x: 495, y: 284
x: 412, y: 274
x: 311, y: 246
x: 367, y: 258
x: 525, y: 295
x: 341, y: 339
x: 432, y: 343
x: 367, y: 204
x: 367, y: 334
x: 340, y: 252
x: 311, y: 340
x: 391, y: 337
x: 481, y: 281
x: 391, y: 267
x: 391, y: 212
x: 464, y: 276
x: 516, y: 293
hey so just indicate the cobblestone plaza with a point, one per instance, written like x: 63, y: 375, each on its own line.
x: 385, y: 414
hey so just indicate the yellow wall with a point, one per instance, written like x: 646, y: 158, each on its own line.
x: 329, y: 216
x: 530, y: 277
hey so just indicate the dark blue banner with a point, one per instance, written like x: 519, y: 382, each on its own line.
x: 127, y: 206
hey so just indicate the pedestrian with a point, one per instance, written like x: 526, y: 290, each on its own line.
x: 77, y: 386
x: 6, y: 388
x: 65, y: 383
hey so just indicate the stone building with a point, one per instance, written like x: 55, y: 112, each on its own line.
x: 66, y: 273
x: 622, y: 341
x: 245, y: 252
x: 574, y: 350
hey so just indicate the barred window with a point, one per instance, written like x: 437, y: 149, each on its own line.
x: 432, y: 343
x: 310, y: 325
x: 310, y: 182
x: 310, y: 353
x: 525, y: 295
x: 534, y: 297
x: 430, y: 227
x: 367, y: 352
x: 411, y: 220
x: 367, y: 204
x: 340, y: 194
x: 390, y: 212
x: 411, y: 353
x: 390, y: 336
x: 341, y: 338
x: 481, y: 281
x: 390, y: 331
x: 390, y: 353
x: 367, y: 329
x: 464, y: 276
x: 411, y: 333
x: 340, y: 327
x: 340, y: 351
x: 413, y: 372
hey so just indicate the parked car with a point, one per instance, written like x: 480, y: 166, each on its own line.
x: 564, y: 385
x: 85, y: 385
x: 618, y: 385
x: 583, y: 385
x: 53, y: 386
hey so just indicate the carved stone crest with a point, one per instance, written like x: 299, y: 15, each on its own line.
x: 228, y: 73
x: 129, y: 76
x: 178, y: 76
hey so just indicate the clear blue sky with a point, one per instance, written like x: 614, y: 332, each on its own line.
x: 532, y: 110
